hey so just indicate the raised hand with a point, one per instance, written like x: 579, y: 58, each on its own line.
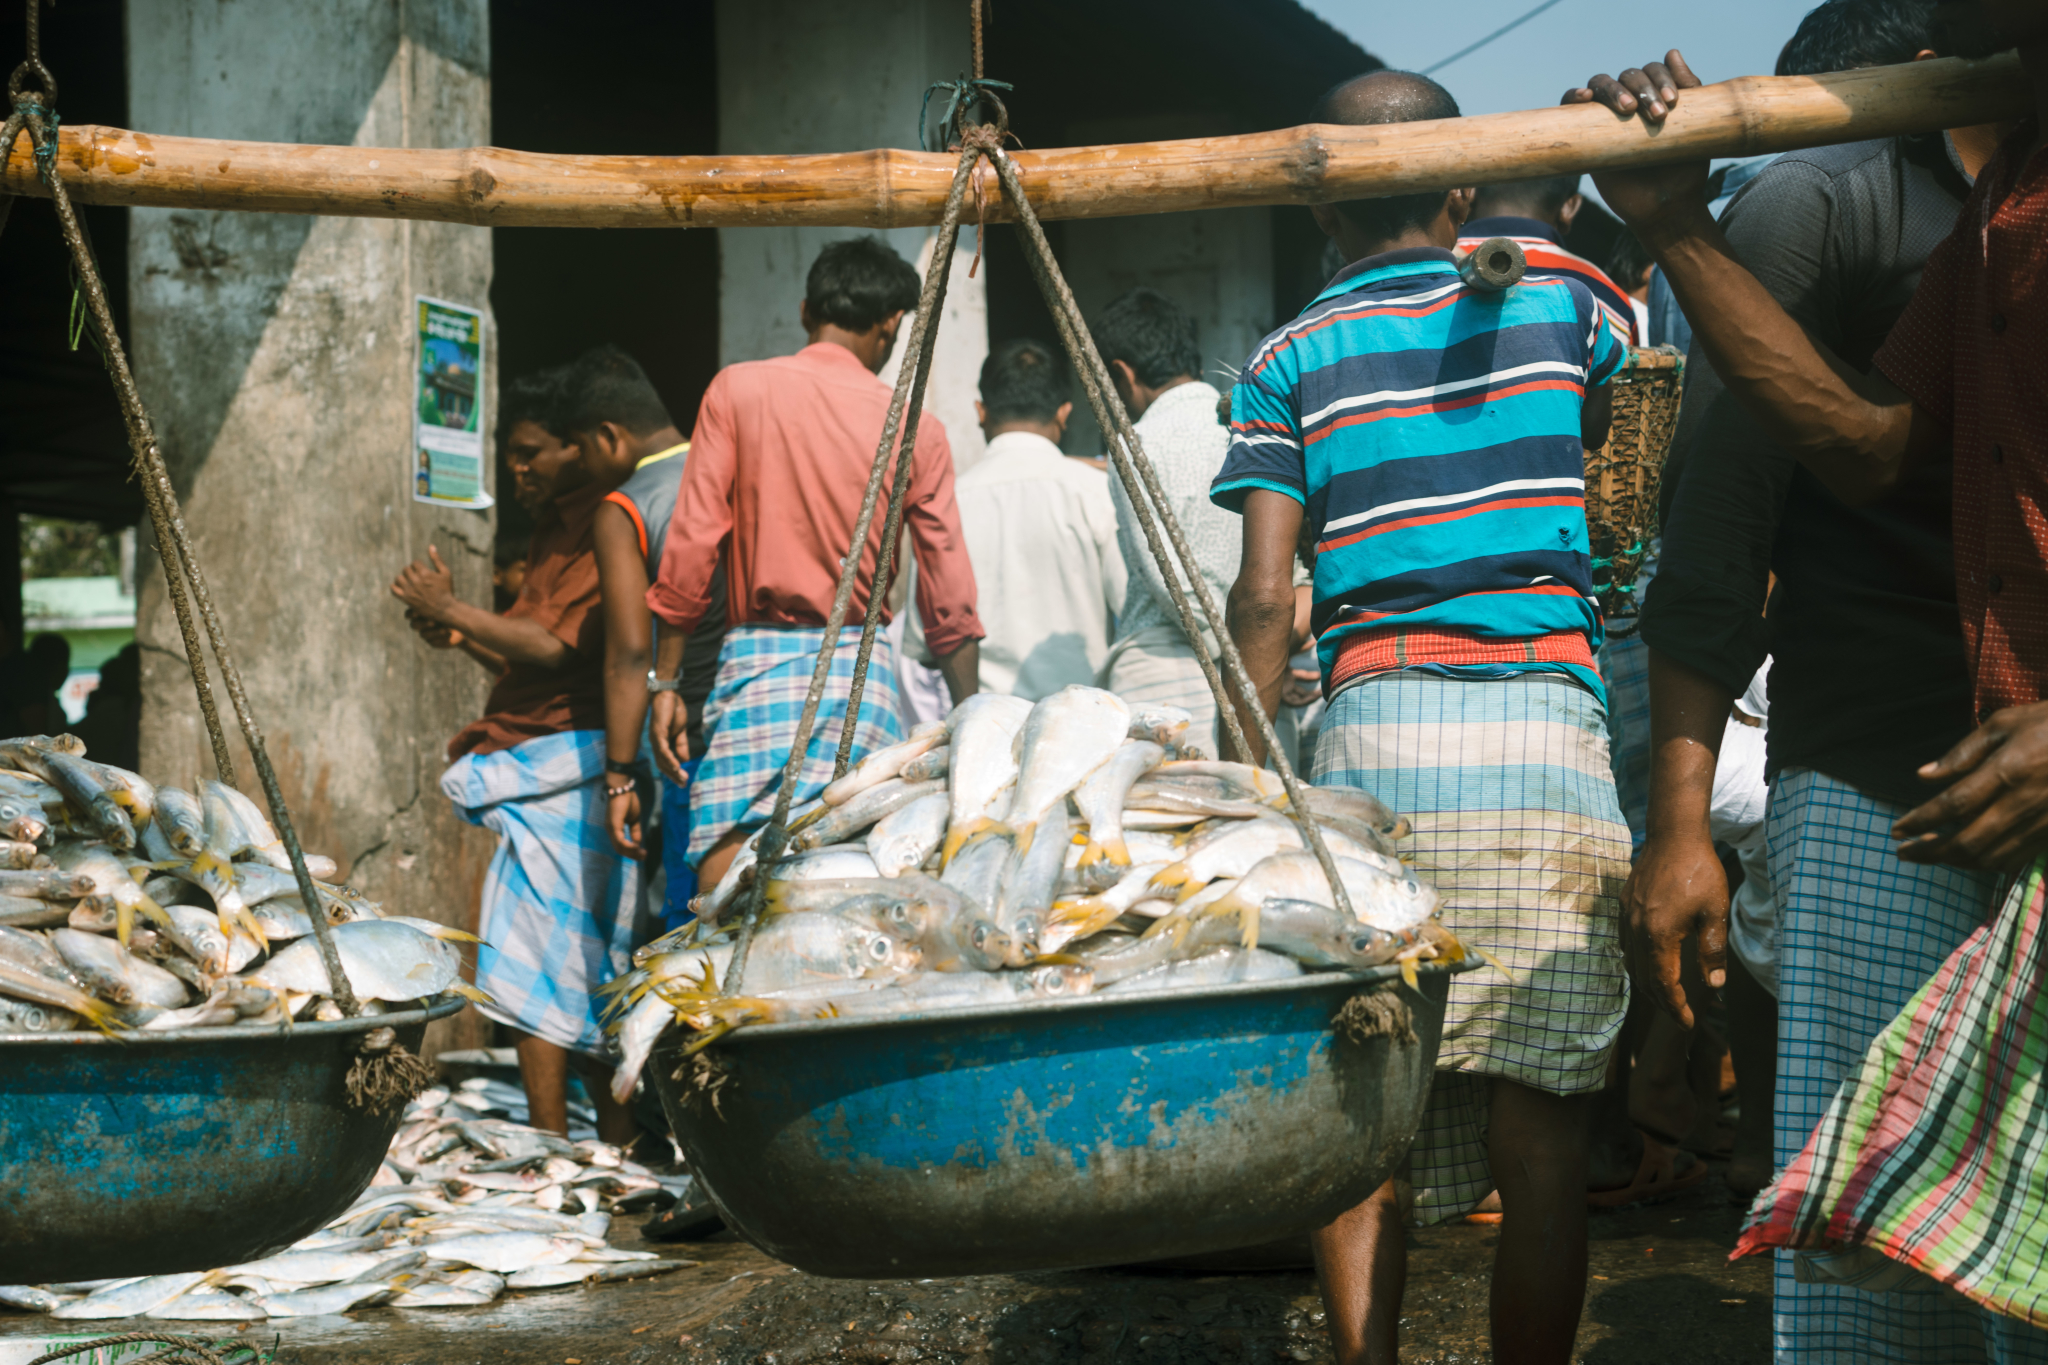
x: 1644, y: 197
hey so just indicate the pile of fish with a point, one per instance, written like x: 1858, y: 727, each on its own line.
x: 130, y: 906
x: 462, y: 1210
x: 1021, y: 852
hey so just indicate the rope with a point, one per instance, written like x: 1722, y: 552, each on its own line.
x: 976, y: 8
x: 916, y: 367
x: 1127, y: 453
x: 174, y: 545
x: 182, y: 1349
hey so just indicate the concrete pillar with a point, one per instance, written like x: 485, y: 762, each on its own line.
x: 1217, y: 264
x: 277, y: 355
x: 795, y: 76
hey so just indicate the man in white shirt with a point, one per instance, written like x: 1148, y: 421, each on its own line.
x: 1149, y: 344
x: 1040, y: 531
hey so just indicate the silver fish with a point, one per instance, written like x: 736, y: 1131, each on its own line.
x: 1160, y: 724
x: 1226, y: 966
x: 25, y: 1016
x: 181, y: 821
x: 31, y: 1298
x: 15, y: 853
x: 932, y: 763
x: 49, y: 884
x: 1102, y: 797
x: 104, y: 807
x: 332, y: 1298
x: 843, y: 822
x: 130, y: 1300
x: 209, y: 1305
x: 109, y: 878
x: 902, y: 840
x: 505, y: 1253
x: 984, y: 761
x: 22, y: 913
x: 116, y: 974
x: 884, y: 764
x: 1067, y: 737
x: 383, y: 959
x: 1026, y: 898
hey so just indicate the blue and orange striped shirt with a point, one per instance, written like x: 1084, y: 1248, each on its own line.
x: 1431, y: 432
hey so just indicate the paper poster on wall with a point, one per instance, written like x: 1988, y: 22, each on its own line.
x: 448, y: 441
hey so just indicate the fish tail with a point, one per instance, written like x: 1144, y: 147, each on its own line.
x: 1175, y: 875
x: 1248, y: 918
x: 810, y: 818
x: 124, y: 922
x: 1091, y: 852
x: 476, y: 995
x: 156, y: 913
x: 99, y: 1014
x: 1408, y: 974
x: 1490, y: 960
x: 1190, y: 891
x: 960, y: 835
x: 1023, y: 836
x: 247, y: 923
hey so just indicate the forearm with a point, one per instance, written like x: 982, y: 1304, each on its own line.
x: 514, y: 641
x: 962, y: 670
x: 491, y: 661
x: 1851, y: 430
x: 625, y: 700
x: 1260, y: 614
x: 1688, y: 715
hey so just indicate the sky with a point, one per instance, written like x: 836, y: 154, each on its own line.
x: 1531, y: 66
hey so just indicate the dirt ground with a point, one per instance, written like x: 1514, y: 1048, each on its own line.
x: 1662, y: 1290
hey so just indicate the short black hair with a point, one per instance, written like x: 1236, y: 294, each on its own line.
x: 604, y: 384
x: 1396, y: 97
x: 1542, y: 196
x: 1152, y: 334
x: 858, y: 282
x: 535, y: 398
x: 1842, y: 35
x: 1023, y: 381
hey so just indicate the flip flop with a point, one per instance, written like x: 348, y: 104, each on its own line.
x: 1658, y: 1176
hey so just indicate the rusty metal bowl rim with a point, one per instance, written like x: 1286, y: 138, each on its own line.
x: 438, y: 1008
x: 1039, y: 1009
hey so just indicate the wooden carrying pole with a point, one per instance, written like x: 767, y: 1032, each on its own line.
x: 1318, y: 163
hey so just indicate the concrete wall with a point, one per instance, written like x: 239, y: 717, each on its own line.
x: 795, y: 76
x: 277, y: 355
x: 1217, y: 264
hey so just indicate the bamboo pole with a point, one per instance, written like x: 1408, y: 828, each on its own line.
x: 1317, y: 163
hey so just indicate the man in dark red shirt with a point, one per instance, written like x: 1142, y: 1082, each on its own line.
x: 1963, y: 368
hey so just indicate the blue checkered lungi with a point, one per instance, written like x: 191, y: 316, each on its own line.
x: 558, y: 902
x: 750, y: 719
x: 1859, y: 933
x: 1507, y: 785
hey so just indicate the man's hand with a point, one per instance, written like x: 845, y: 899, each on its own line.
x: 1643, y: 197
x: 622, y: 818
x: 427, y: 590
x: 1995, y: 812
x: 1302, y: 687
x: 433, y: 632
x: 1677, y: 888
x: 669, y: 726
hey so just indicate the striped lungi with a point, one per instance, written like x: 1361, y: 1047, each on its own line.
x: 558, y: 902
x: 1507, y: 785
x: 1929, y: 1159
x: 750, y: 720
x: 1859, y: 933
x: 1158, y: 667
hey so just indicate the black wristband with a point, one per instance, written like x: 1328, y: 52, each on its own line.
x: 633, y: 768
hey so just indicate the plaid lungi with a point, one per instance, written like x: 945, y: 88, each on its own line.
x: 558, y: 902
x: 750, y: 719
x: 1859, y: 933
x: 1158, y: 667
x: 1516, y: 826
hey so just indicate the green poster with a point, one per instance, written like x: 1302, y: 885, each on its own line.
x: 448, y: 428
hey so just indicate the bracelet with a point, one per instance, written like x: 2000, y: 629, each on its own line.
x: 616, y: 792
x: 633, y: 767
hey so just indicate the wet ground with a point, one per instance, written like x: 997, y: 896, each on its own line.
x: 1662, y: 1291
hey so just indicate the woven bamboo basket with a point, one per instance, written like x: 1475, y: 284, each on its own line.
x: 1622, y: 477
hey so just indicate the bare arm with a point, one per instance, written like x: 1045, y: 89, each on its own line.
x: 1856, y: 432
x: 429, y: 591
x: 1262, y: 602
x: 671, y: 717
x: 1677, y: 888
x: 444, y: 637
x: 628, y: 651
x: 962, y: 670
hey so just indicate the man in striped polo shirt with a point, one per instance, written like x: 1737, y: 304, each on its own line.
x: 1538, y: 214
x: 1429, y: 437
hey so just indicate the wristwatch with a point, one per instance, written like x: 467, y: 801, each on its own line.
x: 656, y: 684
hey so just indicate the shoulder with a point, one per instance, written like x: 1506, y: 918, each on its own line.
x: 1803, y: 176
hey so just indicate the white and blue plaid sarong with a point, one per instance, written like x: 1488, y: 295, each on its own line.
x: 750, y: 719
x: 558, y: 902
x: 1508, y: 787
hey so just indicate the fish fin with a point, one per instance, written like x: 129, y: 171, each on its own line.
x: 1248, y: 918
x: 448, y: 935
x: 1408, y: 975
x: 1175, y: 874
x: 124, y: 923
x: 100, y: 1015
x: 1490, y: 960
x: 476, y: 995
x: 1191, y: 890
x: 809, y: 818
x: 1058, y: 960
x: 1023, y: 836
x: 1091, y: 852
x: 1118, y: 853
x: 960, y: 835
x: 246, y: 922
x: 160, y: 916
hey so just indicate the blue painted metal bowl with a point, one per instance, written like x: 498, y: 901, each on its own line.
x: 1097, y: 1131
x: 181, y: 1150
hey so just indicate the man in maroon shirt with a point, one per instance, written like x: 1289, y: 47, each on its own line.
x: 1963, y: 368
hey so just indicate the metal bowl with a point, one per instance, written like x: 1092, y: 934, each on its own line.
x: 148, y: 1153
x: 1097, y: 1131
